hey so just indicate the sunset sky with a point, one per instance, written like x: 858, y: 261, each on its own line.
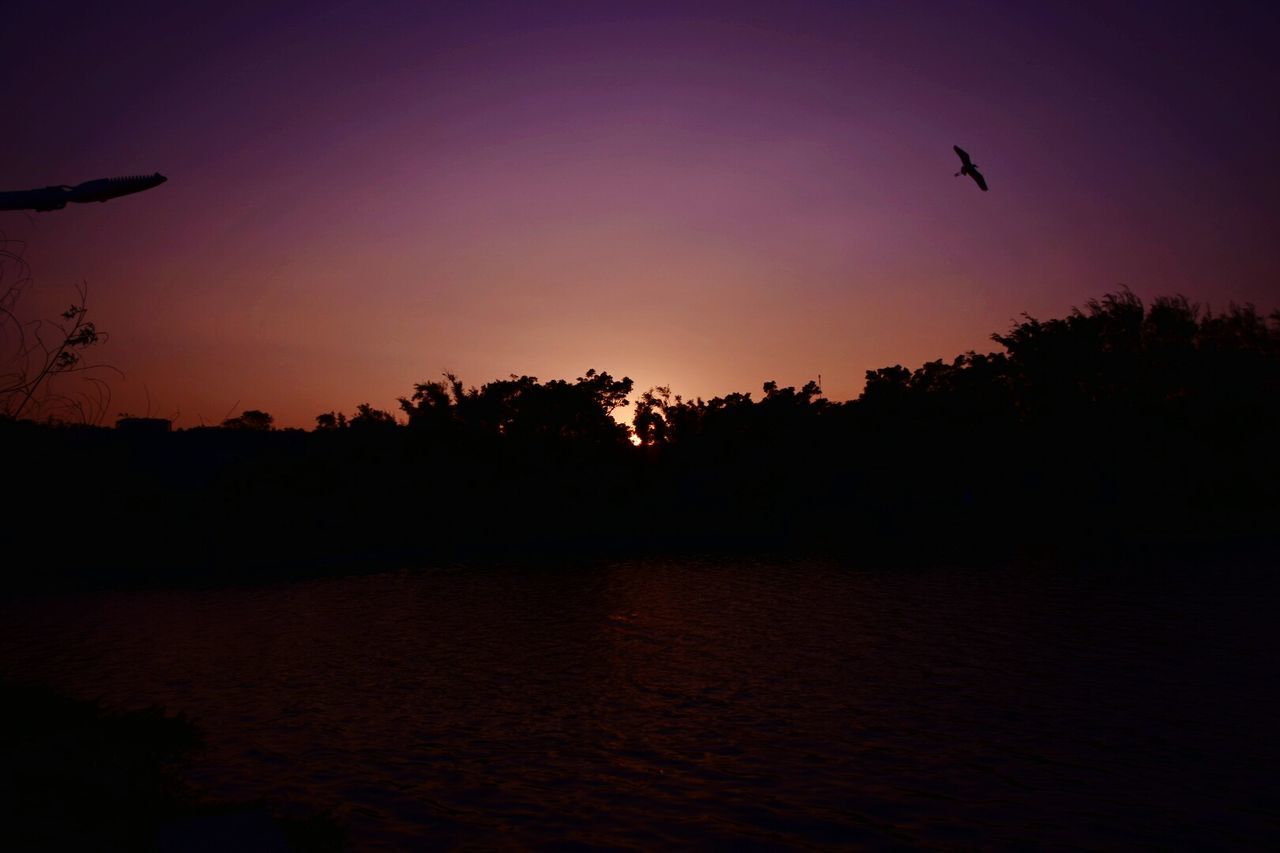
x: 362, y: 196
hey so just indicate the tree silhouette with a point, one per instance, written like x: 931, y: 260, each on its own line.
x: 250, y: 419
x: 1117, y: 420
x: 521, y: 408
x: 331, y: 421
x: 36, y: 354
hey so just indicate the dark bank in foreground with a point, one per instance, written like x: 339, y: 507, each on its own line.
x: 76, y: 775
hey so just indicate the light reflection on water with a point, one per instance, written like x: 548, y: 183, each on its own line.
x: 711, y: 703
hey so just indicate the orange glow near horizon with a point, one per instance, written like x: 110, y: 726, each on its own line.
x: 706, y: 202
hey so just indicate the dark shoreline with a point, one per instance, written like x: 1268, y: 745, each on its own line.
x: 1138, y: 552
x: 235, y: 507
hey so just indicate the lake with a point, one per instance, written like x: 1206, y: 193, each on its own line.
x: 712, y: 702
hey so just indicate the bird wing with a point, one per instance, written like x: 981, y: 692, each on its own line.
x: 978, y: 179
x: 964, y: 155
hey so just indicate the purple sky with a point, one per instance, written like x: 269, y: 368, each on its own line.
x: 363, y: 195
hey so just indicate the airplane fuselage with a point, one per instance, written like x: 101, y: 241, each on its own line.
x: 57, y: 197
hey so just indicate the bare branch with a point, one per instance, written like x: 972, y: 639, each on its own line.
x: 34, y: 354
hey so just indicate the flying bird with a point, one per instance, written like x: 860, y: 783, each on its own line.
x: 56, y: 198
x: 968, y: 167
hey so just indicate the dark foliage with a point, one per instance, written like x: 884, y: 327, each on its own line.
x: 1118, y: 424
x: 75, y: 776
x: 251, y: 419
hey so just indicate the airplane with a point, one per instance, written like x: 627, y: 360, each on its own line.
x: 970, y: 168
x: 56, y: 197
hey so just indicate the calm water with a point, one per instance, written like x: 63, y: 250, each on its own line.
x: 713, y: 704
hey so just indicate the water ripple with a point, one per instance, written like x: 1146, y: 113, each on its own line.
x: 658, y: 704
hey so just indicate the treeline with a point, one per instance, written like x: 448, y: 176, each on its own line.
x: 1120, y: 423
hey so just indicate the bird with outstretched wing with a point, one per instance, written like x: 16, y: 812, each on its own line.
x: 968, y: 167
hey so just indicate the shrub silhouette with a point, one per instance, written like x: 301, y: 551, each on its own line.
x: 250, y: 419
x: 37, y: 355
x: 521, y: 409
